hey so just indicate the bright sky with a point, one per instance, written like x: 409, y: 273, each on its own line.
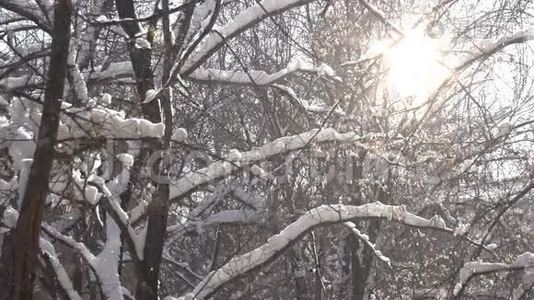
x: 415, y: 65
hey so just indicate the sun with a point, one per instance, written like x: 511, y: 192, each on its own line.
x: 415, y: 65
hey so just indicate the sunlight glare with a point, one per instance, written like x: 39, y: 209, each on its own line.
x: 414, y: 67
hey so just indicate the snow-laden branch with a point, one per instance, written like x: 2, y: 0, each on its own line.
x: 98, y: 121
x: 236, y: 160
x: 16, y: 27
x: 106, y: 264
x: 310, y: 107
x: 380, y: 15
x: 111, y: 192
x: 76, y: 80
x: 124, y: 69
x: 113, y: 71
x: 256, y: 77
x: 322, y: 215
x: 215, y: 40
x: 62, y: 277
x: 230, y: 216
x: 94, y: 121
x: 244, y: 20
x: 253, y: 214
x: 31, y: 10
x: 9, y: 84
x: 198, y: 23
x: 251, y: 77
x: 490, y: 48
x: 80, y: 248
x: 523, y: 262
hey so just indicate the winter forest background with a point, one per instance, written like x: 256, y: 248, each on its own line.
x: 275, y: 149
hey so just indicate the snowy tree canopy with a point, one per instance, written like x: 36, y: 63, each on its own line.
x: 270, y: 149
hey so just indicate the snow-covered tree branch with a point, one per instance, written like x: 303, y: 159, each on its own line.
x: 320, y: 216
x: 524, y: 263
x: 237, y: 160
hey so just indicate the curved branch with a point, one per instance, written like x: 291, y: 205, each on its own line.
x: 320, y: 216
x: 244, y: 20
x: 524, y: 262
x: 222, y: 168
x: 496, y: 46
x: 257, y: 77
x: 29, y: 10
x: 61, y: 275
x: 380, y: 15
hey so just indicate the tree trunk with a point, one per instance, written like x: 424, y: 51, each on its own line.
x: 26, y: 242
x: 158, y: 209
x: 147, y: 286
x: 358, y: 274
